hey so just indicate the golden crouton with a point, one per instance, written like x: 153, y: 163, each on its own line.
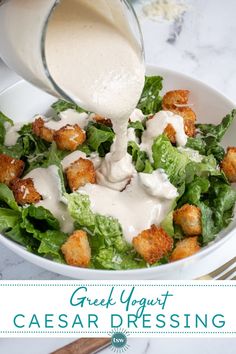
x: 185, y: 248
x: 69, y: 137
x: 102, y: 120
x: 41, y: 131
x: 79, y: 173
x: 25, y: 192
x: 189, y: 218
x: 172, y: 102
x: 76, y: 249
x: 173, y: 99
x: 153, y: 244
x: 228, y: 164
x: 189, y: 119
x: 170, y: 133
x: 10, y: 168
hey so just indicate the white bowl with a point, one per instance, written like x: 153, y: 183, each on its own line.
x: 22, y: 101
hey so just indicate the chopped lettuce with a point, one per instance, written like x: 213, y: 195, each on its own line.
x: 207, y: 167
x: 194, y: 190
x: 99, y: 138
x: 7, y: 197
x: 33, y: 227
x: 8, y: 219
x: 28, y: 147
x: 218, y: 131
x: 209, y: 137
x: 3, y: 120
x: 150, y: 101
x: 138, y: 128
x: 139, y: 158
x: 216, y: 199
x: 167, y: 224
x: 168, y: 158
x: 62, y: 105
x: 222, y: 200
x: 109, y: 249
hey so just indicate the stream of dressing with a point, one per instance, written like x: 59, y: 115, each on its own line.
x: 94, y: 57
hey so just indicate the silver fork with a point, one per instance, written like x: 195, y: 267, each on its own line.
x: 226, y: 272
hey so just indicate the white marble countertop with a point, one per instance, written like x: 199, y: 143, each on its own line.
x: 201, y: 44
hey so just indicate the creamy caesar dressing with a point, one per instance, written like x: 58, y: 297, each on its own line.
x: 158, y: 185
x: 137, y: 115
x: 115, y: 174
x: 94, y: 57
x: 12, y: 133
x: 157, y: 125
x: 145, y: 201
x: 47, y: 182
x: 70, y: 116
x: 76, y: 155
x: 132, y: 136
x: 96, y: 160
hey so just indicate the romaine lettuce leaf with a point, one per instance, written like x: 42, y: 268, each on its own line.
x: 8, y: 219
x: 109, y: 249
x: 62, y: 105
x: 28, y: 147
x: 44, y: 227
x: 168, y: 158
x: 222, y: 199
x: 138, y: 128
x: 209, y: 137
x: 50, y: 245
x: 19, y: 235
x: 209, y: 229
x: 207, y: 167
x: 99, y: 138
x: 194, y: 191
x: 3, y: 119
x: 139, y: 158
x: 167, y: 224
x: 150, y: 101
x: 7, y: 197
x: 218, y: 131
x: 33, y: 227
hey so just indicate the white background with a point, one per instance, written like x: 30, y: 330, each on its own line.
x: 206, y: 49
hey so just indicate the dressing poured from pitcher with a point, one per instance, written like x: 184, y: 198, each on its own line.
x: 93, y: 56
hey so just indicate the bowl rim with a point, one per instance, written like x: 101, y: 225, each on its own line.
x: 51, y: 265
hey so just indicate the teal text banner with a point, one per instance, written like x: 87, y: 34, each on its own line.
x: 100, y: 308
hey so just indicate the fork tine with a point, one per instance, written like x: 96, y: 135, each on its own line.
x: 227, y: 275
x: 221, y: 269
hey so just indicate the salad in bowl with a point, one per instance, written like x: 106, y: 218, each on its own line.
x: 178, y: 198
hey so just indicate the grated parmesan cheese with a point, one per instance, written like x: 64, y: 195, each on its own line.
x: 168, y: 10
